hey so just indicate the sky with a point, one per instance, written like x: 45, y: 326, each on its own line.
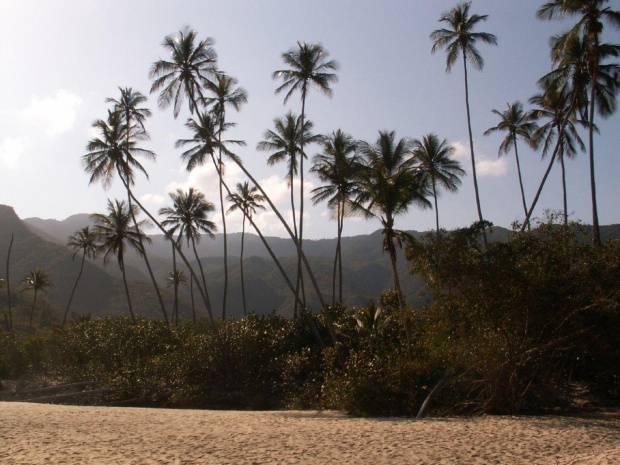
x: 62, y: 59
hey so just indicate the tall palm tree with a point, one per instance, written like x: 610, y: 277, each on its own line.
x: 175, y: 279
x: 557, y: 106
x: 389, y: 186
x: 516, y: 123
x: 433, y: 163
x: 248, y: 200
x: 85, y: 241
x: 225, y: 93
x: 188, y: 215
x: 116, y: 235
x: 191, y: 63
x: 591, y: 17
x: 37, y: 280
x: 338, y: 167
x: 115, y: 152
x: 128, y: 106
x: 308, y: 66
x: 460, y: 39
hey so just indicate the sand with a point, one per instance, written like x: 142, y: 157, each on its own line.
x: 52, y: 434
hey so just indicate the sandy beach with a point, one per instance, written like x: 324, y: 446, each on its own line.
x: 51, y: 434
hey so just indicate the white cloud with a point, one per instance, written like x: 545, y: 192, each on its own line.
x: 461, y: 151
x: 55, y: 114
x: 494, y: 168
x: 12, y: 150
x: 153, y: 199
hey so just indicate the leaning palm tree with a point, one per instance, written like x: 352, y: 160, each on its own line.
x: 188, y: 215
x: 115, y: 152
x: 516, y: 123
x: 85, y: 241
x: 224, y: 93
x: 182, y: 77
x: 132, y: 117
x: 308, y: 66
x: 248, y: 200
x: 338, y: 167
x: 37, y: 280
x: 460, y: 39
x: 591, y: 17
x: 433, y: 163
x: 116, y: 235
x: 389, y: 186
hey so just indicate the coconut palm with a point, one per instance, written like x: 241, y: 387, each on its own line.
x: 338, y: 167
x: 225, y: 93
x: 556, y: 106
x: 516, y: 123
x: 592, y: 14
x: 460, y: 39
x: 308, y: 66
x: 434, y: 165
x: 133, y: 118
x: 115, y: 235
x: 389, y: 186
x: 37, y: 280
x: 191, y: 63
x: 175, y: 279
x: 188, y: 216
x: 248, y: 200
x: 85, y: 241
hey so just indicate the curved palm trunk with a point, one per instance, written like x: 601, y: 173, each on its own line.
x: 595, y: 225
x: 8, y: 282
x: 471, y: 147
x: 514, y: 139
x: 219, y: 171
x: 436, y: 207
x: 64, y: 319
x: 564, y: 194
x: 202, y: 273
x: 340, y: 252
x: 291, y: 180
x: 319, y: 295
x: 245, y: 310
x: 202, y: 291
x: 300, y: 278
x: 121, y: 265
x: 34, y: 302
x: 175, y: 311
x: 336, y: 257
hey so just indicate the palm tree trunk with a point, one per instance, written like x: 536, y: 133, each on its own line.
x: 175, y: 311
x: 319, y: 295
x: 471, y: 147
x: 202, y: 273
x: 202, y: 291
x: 595, y: 225
x: 520, y: 178
x: 292, y: 178
x: 245, y: 310
x: 64, y: 319
x: 564, y: 195
x: 8, y: 282
x: 399, y: 291
x: 34, y: 301
x: 436, y: 208
x: 336, y: 256
x: 340, y: 252
x: 300, y: 277
x: 121, y: 264
x: 219, y: 171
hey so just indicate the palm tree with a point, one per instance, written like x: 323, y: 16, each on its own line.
x: 557, y: 107
x: 115, y: 235
x: 434, y: 165
x: 85, y: 241
x: 389, y: 186
x: 338, y: 167
x: 188, y: 215
x: 225, y: 94
x: 248, y: 200
x: 37, y: 280
x: 460, y: 39
x: 175, y: 279
x: 191, y: 63
x: 128, y: 106
x: 516, y: 123
x: 308, y: 65
x: 115, y: 152
x: 591, y: 14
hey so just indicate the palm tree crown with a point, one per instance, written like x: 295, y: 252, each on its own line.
x: 246, y: 198
x: 182, y: 77
x: 189, y: 215
x: 128, y: 105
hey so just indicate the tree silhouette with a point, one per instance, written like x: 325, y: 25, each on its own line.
x: 37, y: 280
x: 84, y: 241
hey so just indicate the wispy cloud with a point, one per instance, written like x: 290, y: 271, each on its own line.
x: 11, y: 150
x: 56, y: 114
x: 485, y: 166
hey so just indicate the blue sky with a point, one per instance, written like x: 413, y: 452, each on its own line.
x: 62, y: 59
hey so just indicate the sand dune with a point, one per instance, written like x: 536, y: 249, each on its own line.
x: 49, y: 434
